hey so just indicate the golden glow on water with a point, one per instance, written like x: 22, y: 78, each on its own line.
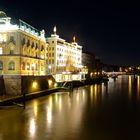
x: 66, y: 115
x: 138, y: 84
x: 35, y: 108
x: 95, y: 91
x: 138, y: 87
x: 32, y: 127
x: 60, y: 104
x: 91, y: 92
x: 49, y: 110
x: 50, y: 102
x: 130, y: 86
x: 49, y: 115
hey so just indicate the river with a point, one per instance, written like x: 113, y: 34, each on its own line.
x: 106, y: 111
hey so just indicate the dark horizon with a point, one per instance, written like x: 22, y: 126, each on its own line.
x: 108, y: 29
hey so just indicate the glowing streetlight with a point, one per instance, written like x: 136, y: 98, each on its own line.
x: 49, y: 69
x: 33, y: 67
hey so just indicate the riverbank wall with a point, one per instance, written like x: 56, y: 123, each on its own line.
x: 17, y: 85
x: 21, y: 88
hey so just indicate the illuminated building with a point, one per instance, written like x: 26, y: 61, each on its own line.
x: 25, y: 51
x: 22, y: 48
x: 63, y: 59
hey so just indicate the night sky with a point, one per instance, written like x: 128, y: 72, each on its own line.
x: 109, y: 29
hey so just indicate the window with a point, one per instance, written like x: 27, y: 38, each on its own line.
x: 1, y: 65
x: 23, y: 41
x: 41, y: 67
x: 32, y: 45
x: 36, y: 46
x: 23, y: 66
x: 28, y: 43
x: 36, y: 67
x: 42, y: 48
x: 52, y: 61
x: 11, y: 66
x: 28, y: 66
x: 52, y: 54
x: 11, y: 51
x: 12, y: 39
x: 1, y: 50
x: 49, y: 61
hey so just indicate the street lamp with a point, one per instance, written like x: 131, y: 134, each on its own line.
x: 33, y: 67
x: 49, y: 69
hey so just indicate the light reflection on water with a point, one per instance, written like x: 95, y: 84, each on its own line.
x: 100, y: 111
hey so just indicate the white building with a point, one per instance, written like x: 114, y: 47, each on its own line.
x: 64, y: 60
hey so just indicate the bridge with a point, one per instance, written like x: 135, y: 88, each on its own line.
x: 115, y: 73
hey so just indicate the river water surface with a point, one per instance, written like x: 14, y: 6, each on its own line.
x: 106, y: 111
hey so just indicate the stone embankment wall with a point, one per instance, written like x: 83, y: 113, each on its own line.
x: 32, y: 84
x: 2, y: 86
x: 17, y: 85
x: 12, y: 84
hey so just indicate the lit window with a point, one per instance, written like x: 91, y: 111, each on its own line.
x: 1, y: 50
x: 11, y: 66
x: 1, y: 65
x: 28, y: 66
x: 41, y: 67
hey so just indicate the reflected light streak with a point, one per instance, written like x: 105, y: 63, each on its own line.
x: 35, y: 109
x: 49, y: 115
x: 60, y: 104
x: 56, y: 97
x: 95, y: 91
x: 129, y: 86
x: 50, y: 102
x: 83, y: 94
x: 91, y: 92
x: 32, y: 127
x: 138, y: 85
x: 77, y: 97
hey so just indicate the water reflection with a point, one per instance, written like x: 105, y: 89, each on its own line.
x: 130, y: 86
x: 138, y: 84
x: 32, y: 127
x: 99, y: 111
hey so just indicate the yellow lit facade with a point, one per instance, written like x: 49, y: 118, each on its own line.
x: 22, y: 48
x: 25, y: 51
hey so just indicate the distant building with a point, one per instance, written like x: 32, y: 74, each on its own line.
x: 88, y: 60
x: 22, y: 48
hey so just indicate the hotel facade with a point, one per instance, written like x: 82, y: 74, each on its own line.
x: 64, y: 60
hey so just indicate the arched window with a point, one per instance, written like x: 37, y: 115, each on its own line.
x: 11, y: 65
x: 23, y: 65
x: 28, y: 66
x: 1, y: 65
